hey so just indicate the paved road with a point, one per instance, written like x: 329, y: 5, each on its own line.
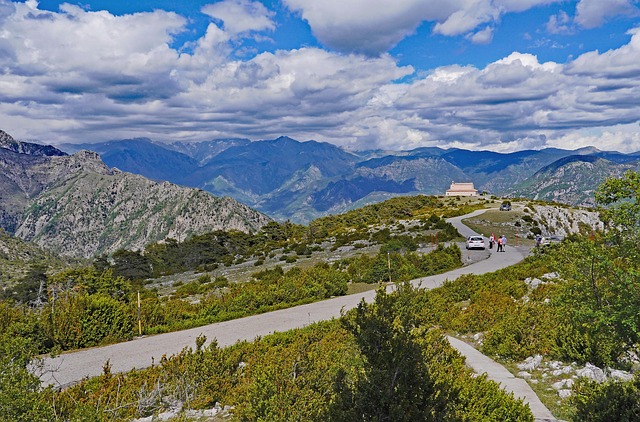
x: 142, y: 352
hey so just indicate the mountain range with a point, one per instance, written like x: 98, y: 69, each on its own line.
x: 77, y: 206
x: 300, y: 181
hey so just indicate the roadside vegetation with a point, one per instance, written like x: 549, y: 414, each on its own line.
x: 330, y: 371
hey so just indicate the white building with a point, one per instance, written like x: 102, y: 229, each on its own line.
x: 461, y: 189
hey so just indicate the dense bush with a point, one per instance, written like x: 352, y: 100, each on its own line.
x: 610, y: 401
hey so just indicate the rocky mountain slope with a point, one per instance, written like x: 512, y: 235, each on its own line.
x: 572, y: 180
x: 77, y: 206
x: 301, y: 181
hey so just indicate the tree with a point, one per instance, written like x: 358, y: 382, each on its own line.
x: 20, y: 395
x: 32, y: 289
x: 621, y: 197
x: 131, y: 265
x: 599, y: 289
x: 396, y: 384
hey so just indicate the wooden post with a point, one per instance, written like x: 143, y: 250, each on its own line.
x: 139, y: 321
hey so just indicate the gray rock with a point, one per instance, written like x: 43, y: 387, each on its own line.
x: 592, y: 372
x: 533, y: 283
x: 524, y: 375
x: 531, y: 363
x: 620, y: 375
x: 564, y: 393
x: 560, y: 371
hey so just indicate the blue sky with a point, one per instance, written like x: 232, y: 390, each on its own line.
x: 501, y: 75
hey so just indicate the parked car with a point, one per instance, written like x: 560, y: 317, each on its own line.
x: 548, y: 240
x: 505, y: 207
x: 475, y: 242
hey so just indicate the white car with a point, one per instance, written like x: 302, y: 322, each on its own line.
x: 475, y: 242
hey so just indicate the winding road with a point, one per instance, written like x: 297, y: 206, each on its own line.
x: 68, y: 368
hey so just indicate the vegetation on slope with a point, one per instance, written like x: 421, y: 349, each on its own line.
x: 84, y: 307
x: 330, y: 371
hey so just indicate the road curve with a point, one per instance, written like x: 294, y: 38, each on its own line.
x: 68, y: 368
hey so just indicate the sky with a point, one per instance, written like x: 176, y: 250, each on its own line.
x: 499, y: 75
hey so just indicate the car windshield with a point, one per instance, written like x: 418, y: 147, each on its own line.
x: 475, y: 239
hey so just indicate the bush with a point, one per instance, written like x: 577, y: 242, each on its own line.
x: 610, y: 401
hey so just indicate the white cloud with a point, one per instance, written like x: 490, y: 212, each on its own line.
x: 375, y: 26
x: 559, y: 24
x: 76, y: 51
x: 593, y: 13
x: 79, y: 75
x: 623, y: 138
x: 483, y: 36
x: 623, y: 62
x: 241, y: 15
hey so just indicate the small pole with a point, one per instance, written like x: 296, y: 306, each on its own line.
x: 389, y: 264
x: 139, y: 321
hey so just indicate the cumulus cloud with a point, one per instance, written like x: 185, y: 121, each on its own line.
x: 623, y: 62
x: 75, y: 51
x: 593, y: 13
x: 375, y: 26
x: 241, y: 15
x: 75, y: 74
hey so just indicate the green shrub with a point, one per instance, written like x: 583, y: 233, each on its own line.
x: 610, y: 401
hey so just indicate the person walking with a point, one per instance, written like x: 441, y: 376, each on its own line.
x: 499, y: 244
x: 492, y: 239
x: 504, y: 243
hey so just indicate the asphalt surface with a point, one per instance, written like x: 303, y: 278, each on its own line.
x: 69, y: 368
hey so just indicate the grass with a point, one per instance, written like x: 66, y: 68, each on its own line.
x: 561, y: 409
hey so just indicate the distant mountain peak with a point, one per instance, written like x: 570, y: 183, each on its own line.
x: 7, y: 142
x: 588, y: 150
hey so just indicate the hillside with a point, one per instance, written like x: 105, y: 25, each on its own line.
x: 301, y: 181
x: 77, y: 206
x: 571, y: 180
x: 18, y: 256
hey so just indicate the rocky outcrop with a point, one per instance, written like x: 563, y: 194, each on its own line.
x: 77, y: 206
x: 563, y: 221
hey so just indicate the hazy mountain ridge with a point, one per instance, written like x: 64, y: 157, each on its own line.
x: 301, y: 181
x: 78, y: 206
x: 7, y: 142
